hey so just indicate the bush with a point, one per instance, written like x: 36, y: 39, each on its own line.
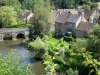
x: 38, y: 47
x: 46, y: 38
x: 13, y: 65
x: 70, y: 71
x: 79, y: 44
x: 52, y: 34
x: 69, y: 34
x: 20, y: 24
x: 68, y: 39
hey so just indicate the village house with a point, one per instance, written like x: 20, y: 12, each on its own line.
x: 27, y: 16
x: 97, y: 5
x: 76, y: 21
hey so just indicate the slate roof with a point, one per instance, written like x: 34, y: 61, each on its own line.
x: 63, y: 17
x: 73, y: 18
x: 84, y: 26
x: 88, y: 13
x: 68, y: 15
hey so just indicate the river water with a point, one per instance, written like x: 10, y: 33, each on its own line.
x: 6, y: 46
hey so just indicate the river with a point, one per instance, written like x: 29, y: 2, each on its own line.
x: 6, y: 46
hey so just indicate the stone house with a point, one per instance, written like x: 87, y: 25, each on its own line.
x: 91, y: 15
x: 75, y: 21
x: 27, y: 16
x: 97, y: 5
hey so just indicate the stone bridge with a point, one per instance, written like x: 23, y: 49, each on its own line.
x: 13, y: 32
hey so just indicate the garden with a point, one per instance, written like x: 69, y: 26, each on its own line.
x: 64, y: 55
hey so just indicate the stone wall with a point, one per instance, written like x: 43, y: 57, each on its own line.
x: 80, y: 33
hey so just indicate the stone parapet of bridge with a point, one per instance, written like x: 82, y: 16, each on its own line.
x: 13, y: 32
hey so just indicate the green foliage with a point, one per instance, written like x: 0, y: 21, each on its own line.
x: 64, y: 3
x: 51, y: 34
x: 20, y: 25
x: 11, y: 65
x: 87, y: 4
x: 8, y: 16
x: 50, y: 66
x: 79, y: 44
x: 72, y: 3
x: 93, y: 44
x: 91, y: 63
x: 75, y: 57
x: 38, y: 47
x: 27, y: 4
x: 3, y: 2
x: 68, y: 39
x: 41, y: 24
x: 46, y: 38
x: 70, y: 71
x: 14, y: 3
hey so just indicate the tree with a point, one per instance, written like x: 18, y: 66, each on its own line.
x: 79, y: 44
x: 27, y: 4
x: 8, y: 16
x: 14, y: 3
x: 70, y: 3
x: 41, y: 25
x: 3, y: 2
x: 70, y: 71
x: 12, y: 65
x: 94, y: 41
x: 37, y: 47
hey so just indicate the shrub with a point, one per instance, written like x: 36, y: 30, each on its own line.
x: 13, y: 65
x: 20, y: 24
x: 68, y: 39
x: 38, y: 47
x: 70, y: 71
x: 46, y: 57
x: 46, y: 38
x: 79, y: 44
x: 69, y: 34
x: 52, y: 34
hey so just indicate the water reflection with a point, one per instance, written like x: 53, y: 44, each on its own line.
x: 7, y: 45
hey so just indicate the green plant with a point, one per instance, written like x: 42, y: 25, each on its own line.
x: 38, y: 47
x: 13, y: 65
x: 20, y: 24
x: 91, y: 63
x: 68, y: 39
x: 46, y: 38
x: 70, y: 71
x: 49, y: 65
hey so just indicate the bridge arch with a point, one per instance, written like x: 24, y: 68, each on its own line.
x: 14, y: 32
x: 7, y: 36
x: 20, y: 35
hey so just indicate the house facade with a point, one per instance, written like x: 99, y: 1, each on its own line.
x: 75, y: 21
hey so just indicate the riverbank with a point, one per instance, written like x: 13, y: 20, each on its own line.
x: 6, y: 46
